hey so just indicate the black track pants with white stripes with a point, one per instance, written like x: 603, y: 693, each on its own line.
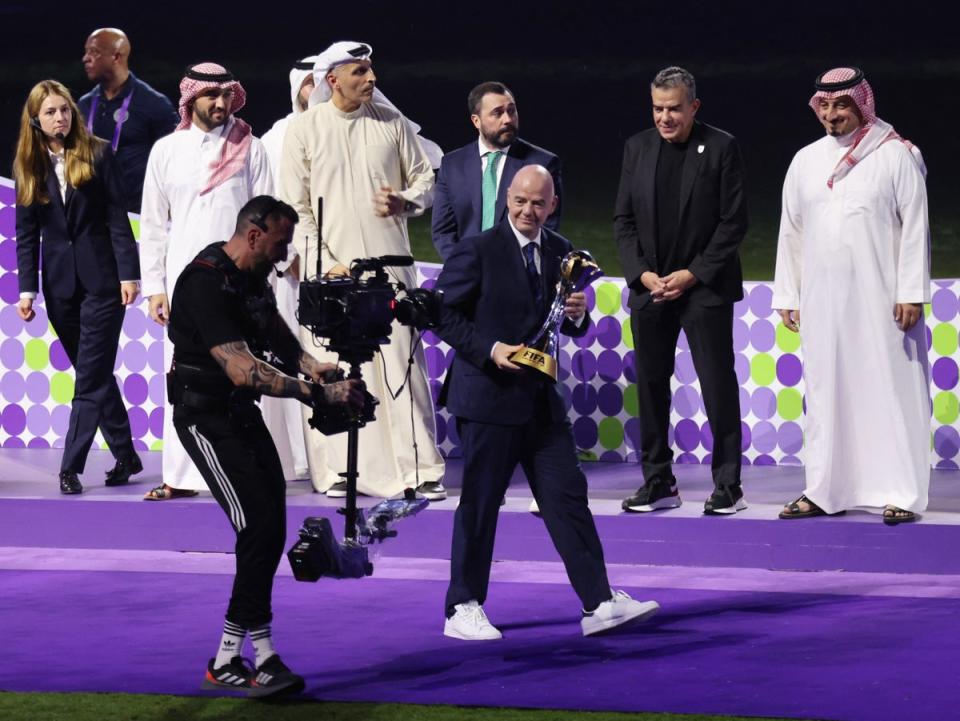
x: 239, y: 462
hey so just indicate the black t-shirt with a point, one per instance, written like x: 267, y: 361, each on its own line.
x: 205, y: 313
x: 668, y: 178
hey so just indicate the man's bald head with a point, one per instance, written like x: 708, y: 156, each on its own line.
x: 533, y: 178
x: 106, y: 54
x: 531, y: 199
x: 112, y: 40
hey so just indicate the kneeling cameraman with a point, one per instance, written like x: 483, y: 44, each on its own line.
x: 223, y: 322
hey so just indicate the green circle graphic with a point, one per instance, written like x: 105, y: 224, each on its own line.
x: 945, y: 339
x: 626, y: 333
x: 157, y: 445
x: 787, y: 340
x: 608, y: 298
x: 763, y: 369
x: 36, y: 354
x: 946, y: 407
x: 611, y: 433
x: 631, y: 401
x: 61, y: 387
x: 789, y: 404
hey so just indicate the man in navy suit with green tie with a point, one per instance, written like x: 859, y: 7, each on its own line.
x: 471, y: 190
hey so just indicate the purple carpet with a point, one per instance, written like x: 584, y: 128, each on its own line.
x: 663, y: 540
x: 800, y: 655
x: 827, y: 619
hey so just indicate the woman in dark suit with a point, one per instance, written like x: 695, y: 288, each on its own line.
x: 70, y: 211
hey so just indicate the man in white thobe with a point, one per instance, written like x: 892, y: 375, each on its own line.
x: 363, y: 158
x: 282, y: 416
x: 197, y: 180
x: 853, y: 263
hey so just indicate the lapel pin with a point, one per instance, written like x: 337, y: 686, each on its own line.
x: 700, y: 148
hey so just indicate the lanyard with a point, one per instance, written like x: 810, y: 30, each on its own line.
x: 120, y: 117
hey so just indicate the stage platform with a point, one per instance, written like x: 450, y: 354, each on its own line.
x: 828, y: 618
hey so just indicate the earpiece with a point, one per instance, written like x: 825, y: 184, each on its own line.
x: 35, y: 122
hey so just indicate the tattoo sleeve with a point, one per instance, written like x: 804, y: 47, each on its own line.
x: 308, y: 364
x: 245, y: 369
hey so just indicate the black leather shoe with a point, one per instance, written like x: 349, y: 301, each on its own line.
x: 69, y: 483
x: 121, y: 472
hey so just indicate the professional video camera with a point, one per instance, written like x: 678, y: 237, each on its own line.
x: 355, y: 312
x: 354, y: 315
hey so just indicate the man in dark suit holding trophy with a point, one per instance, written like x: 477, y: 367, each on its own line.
x: 498, y: 286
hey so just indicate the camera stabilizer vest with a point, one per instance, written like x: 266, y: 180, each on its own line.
x: 209, y: 388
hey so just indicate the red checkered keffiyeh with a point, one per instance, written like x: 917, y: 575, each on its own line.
x: 236, y: 146
x: 872, y: 133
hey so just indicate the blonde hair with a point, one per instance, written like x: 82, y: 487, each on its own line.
x: 31, y: 163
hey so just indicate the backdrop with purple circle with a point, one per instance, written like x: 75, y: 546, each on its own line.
x: 596, y: 374
x: 36, y: 383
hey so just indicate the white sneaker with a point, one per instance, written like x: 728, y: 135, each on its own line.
x: 617, y: 611
x: 469, y: 623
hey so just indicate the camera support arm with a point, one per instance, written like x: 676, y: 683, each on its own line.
x: 350, y: 475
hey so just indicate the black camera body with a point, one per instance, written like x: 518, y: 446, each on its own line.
x: 355, y: 313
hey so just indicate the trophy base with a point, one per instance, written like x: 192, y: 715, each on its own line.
x: 539, y: 361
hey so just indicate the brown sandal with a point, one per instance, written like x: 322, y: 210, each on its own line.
x: 892, y: 516
x: 163, y: 492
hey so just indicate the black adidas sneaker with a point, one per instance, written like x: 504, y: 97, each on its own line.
x: 273, y: 677
x: 234, y: 676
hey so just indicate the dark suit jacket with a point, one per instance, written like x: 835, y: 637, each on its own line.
x: 713, y: 214
x: 458, y: 198
x: 486, y: 299
x: 87, y: 239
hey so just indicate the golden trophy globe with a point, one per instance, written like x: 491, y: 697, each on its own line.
x: 578, y: 269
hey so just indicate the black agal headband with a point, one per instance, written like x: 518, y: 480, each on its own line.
x: 225, y: 77
x: 857, y: 78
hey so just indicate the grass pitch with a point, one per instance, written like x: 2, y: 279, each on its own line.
x: 141, y: 707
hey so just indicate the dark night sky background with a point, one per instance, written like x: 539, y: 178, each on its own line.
x: 580, y: 71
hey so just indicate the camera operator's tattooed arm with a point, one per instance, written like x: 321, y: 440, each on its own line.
x: 285, y: 344
x: 245, y: 369
x: 316, y: 371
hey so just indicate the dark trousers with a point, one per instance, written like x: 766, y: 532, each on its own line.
x: 709, y: 330
x: 547, y: 454
x: 238, y: 460
x: 89, y: 329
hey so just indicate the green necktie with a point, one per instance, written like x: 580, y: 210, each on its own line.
x: 489, y: 188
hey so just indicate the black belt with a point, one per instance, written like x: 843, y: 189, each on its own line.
x: 202, y: 401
